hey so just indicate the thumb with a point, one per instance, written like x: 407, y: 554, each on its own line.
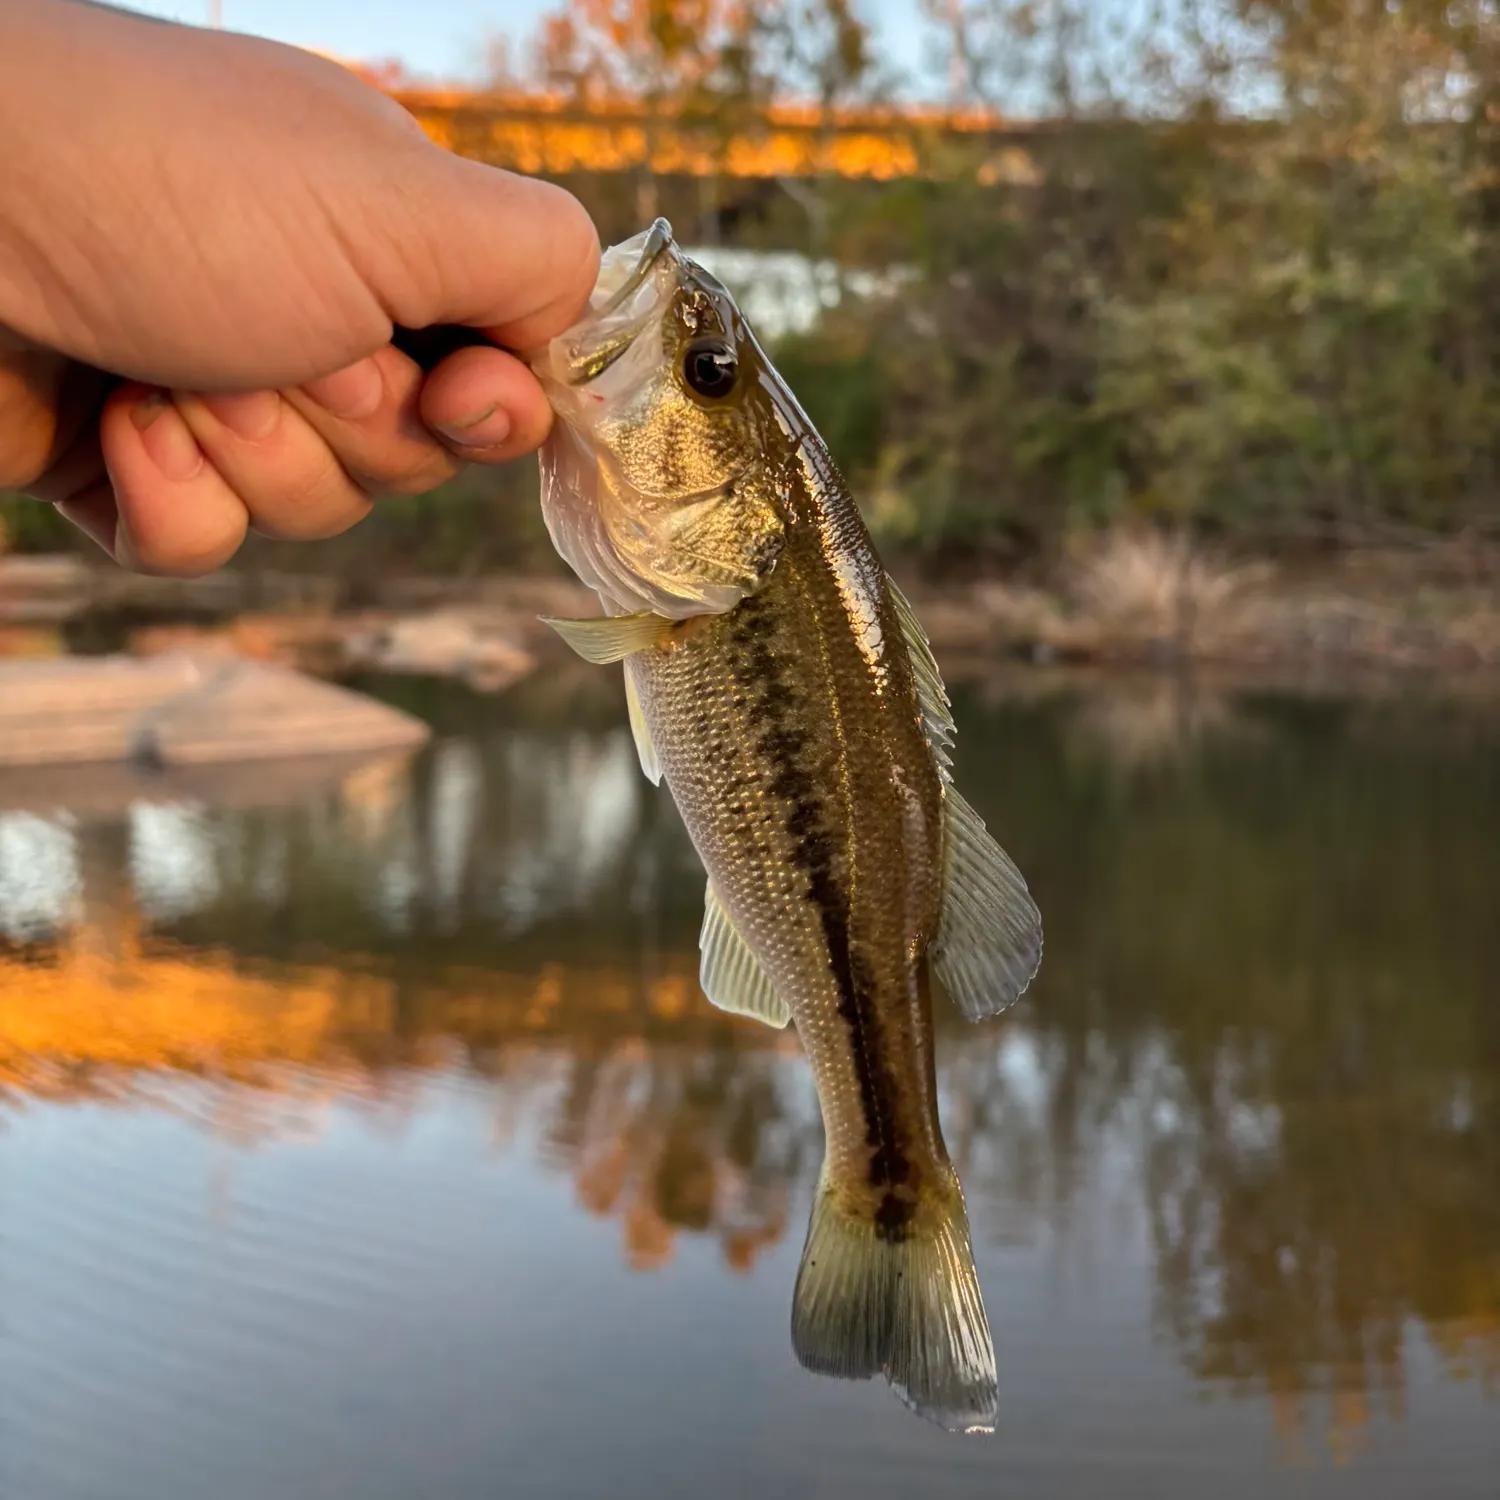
x: 472, y: 244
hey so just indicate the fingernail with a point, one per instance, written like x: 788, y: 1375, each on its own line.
x: 353, y: 392
x: 165, y: 437
x: 486, y: 429
x: 252, y: 415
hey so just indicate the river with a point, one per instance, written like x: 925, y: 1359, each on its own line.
x: 374, y: 1140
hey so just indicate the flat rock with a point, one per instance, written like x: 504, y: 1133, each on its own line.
x: 184, y: 710
x: 445, y: 643
x: 108, y: 789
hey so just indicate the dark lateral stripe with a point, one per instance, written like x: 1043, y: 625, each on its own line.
x: 771, y: 699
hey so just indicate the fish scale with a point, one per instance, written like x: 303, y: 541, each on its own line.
x: 833, y: 883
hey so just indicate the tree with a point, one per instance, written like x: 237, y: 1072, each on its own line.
x: 682, y: 62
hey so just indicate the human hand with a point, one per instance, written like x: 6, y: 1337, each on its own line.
x: 205, y: 243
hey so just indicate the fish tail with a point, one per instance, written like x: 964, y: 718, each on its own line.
x: 910, y: 1308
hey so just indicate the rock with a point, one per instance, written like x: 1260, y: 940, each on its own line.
x: 107, y: 789
x: 313, y: 643
x: 181, y: 710
x: 443, y: 644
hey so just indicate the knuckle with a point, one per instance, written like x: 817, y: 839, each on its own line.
x: 395, y: 462
x: 406, y: 466
x: 28, y: 424
x: 314, y: 516
x: 306, y: 504
x: 23, y: 460
x: 184, y: 550
x: 577, y: 236
x: 418, y: 476
x: 158, y: 561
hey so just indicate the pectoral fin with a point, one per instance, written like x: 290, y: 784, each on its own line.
x: 989, y: 937
x: 731, y: 974
x: 613, y: 637
x: 645, y: 746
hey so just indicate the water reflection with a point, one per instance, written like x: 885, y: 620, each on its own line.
x: 1263, y: 1043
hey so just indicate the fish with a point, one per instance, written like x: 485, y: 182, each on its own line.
x: 780, y: 684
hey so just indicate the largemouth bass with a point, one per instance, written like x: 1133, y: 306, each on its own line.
x: 780, y: 684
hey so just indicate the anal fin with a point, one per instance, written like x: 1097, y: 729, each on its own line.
x: 989, y: 937
x: 731, y: 975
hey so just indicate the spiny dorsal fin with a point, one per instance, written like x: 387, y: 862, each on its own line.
x: 989, y: 937
x: 937, y: 716
x: 645, y: 747
x: 612, y: 638
x: 730, y: 973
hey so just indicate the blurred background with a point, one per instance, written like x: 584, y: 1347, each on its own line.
x: 363, y: 1130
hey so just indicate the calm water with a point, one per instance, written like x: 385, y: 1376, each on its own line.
x: 379, y: 1143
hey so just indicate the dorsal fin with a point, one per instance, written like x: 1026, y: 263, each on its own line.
x: 989, y: 937
x: 730, y: 973
x: 937, y: 716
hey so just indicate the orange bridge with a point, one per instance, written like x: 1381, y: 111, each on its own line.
x: 555, y: 136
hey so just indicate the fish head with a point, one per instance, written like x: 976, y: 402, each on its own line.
x: 654, y: 477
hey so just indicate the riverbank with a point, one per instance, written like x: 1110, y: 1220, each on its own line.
x: 1128, y: 600
x: 1155, y: 600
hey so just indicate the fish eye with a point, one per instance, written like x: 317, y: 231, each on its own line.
x: 710, y: 368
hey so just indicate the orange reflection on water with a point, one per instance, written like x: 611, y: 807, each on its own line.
x: 109, y: 1013
x: 83, y: 1012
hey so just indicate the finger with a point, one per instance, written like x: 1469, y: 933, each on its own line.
x: 77, y: 468
x: 477, y: 245
x: 30, y: 380
x: 48, y: 404
x: 367, y: 414
x: 486, y: 405
x: 176, y: 514
x: 285, y: 476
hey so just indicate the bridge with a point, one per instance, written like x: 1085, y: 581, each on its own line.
x: 628, y: 161
x: 554, y: 136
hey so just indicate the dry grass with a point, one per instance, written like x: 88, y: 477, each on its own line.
x: 1155, y: 597
x: 1142, y: 589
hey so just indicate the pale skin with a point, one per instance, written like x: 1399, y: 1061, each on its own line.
x: 206, y: 241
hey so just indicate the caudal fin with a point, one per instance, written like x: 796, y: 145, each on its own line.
x: 908, y: 1308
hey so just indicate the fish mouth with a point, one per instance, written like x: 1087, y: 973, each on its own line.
x: 655, y: 242
x: 636, y: 277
